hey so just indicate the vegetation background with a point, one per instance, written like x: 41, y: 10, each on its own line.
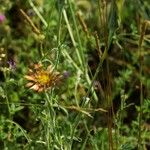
x: 101, y: 98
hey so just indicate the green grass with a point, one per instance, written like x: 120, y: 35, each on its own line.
x: 101, y: 50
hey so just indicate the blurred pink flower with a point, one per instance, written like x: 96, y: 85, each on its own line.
x: 2, y: 18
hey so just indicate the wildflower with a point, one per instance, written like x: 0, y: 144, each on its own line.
x: 66, y: 74
x: 41, y: 79
x: 12, y: 64
x: 2, y: 18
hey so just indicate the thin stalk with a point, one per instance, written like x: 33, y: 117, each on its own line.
x: 94, y: 144
x: 76, y: 87
x: 71, y: 36
x: 104, y: 55
x: 77, y: 32
x: 58, y: 36
x: 109, y: 104
x: 143, y: 29
x: 120, y: 115
x: 49, y: 116
x: 6, y: 77
x: 78, y: 54
x: 9, y: 110
x: 50, y: 120
x: 76, y: 121
x: 90, y: 83
x: 38, y: 13
x: 65, y: 53
x: 59, y: 26
x: 100, y: 12
x: 109, y: 121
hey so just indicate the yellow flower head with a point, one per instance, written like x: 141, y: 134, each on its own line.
x: 41, y: 79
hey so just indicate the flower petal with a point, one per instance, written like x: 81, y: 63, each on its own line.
x: 37, y: 66
x: 40, y: 89
x: 30, y: 71
x: 30, y: 78
x: 35, y: 87
x: 29, y: 84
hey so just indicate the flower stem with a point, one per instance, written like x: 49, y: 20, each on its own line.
x: 50, y: 118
